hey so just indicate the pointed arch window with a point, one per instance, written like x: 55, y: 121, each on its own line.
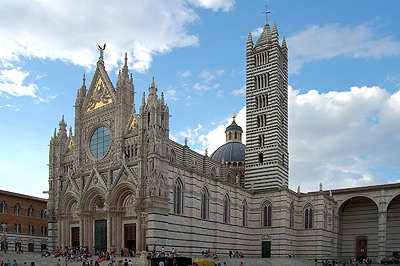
x: 308, y: 218
x: 205, y: 204
x: 244, y: 213
x: 30, y: 211
x: 43, y: 213
x: 178, y: 202
x: 291, y: 216
x: 17, y: 228
x: 213, y: 172
x: 227, y: 210
x: 3, y: 207
x: 17, y: 209
x: 267, y: 215
x: 172, y: 156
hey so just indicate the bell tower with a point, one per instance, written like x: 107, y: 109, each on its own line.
x: 267, y: 153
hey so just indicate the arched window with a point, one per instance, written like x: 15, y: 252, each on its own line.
x: 3, y: 207
x: 30, y: 229
x: 308, y: 218
x: 205, y: 204
x: 244, y: 213
x: 172, y: 156
x: 17, y: 228
x: 213, y: 172
x: 43, y: 214
x: 30, y: 211
x: 227, y: 209
x: 267, y: 215
x: 178, y: 203
x: 291, y: 216
x: 17, y: 209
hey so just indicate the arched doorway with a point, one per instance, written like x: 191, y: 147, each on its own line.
x: 359, y: 228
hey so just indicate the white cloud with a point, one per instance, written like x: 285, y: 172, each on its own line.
x: 11, y: 82
x: 241, y: 91
x: 186, y: 74
x: 171, y: 95
x: 215, y: 5
x: 220, y: 94
x: 341, y: 138
x: 257, y: 32
x: 68, y: 30
x: 326, y: 42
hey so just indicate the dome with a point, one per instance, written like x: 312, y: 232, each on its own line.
x: 231, y: 151
x: 234, y: 126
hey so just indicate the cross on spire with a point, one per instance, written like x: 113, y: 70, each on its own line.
x: 266, y: 12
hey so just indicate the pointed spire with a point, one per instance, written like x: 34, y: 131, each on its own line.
x: 265, y: 35
x: 250, y: 38
x: 275, y: 34
x: 275, y: 29
x: 55, y: 132
x: 83, y: 89
x: 125, y: 70
x: 152, y: 90
x: 144, y: 99
x: 162, y: 98
x: 62, y: 131
x: 284, y: 42
x: 70, y: 131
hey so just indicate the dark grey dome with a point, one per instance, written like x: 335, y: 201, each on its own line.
x: 231, y: 151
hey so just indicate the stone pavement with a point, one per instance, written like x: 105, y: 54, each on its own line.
x: 29, y: 257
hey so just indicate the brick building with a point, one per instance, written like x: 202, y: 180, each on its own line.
x: 23, y: 222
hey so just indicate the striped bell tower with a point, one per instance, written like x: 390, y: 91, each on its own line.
x: 267, y: 156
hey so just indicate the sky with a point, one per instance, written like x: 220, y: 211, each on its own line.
x: 344, y: 78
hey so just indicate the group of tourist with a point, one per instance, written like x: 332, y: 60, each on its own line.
x: 162, y: 253
x: 15, y: 263
x: 235, y: 254
x: 352, y: 262
x: 210, y: 254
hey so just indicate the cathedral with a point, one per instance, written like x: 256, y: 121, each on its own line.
x: 118, y: 180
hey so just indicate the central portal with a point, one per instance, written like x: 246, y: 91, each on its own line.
x: 100, y: 235
x: 130, y: 236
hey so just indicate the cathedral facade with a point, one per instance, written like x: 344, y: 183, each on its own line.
x: 118, y: 180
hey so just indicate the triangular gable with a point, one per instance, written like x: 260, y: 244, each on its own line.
x: 70, y: 146
x: 132, y: 125
x: 127, y: 175
x: 95, y: 179
x: 101, y: 91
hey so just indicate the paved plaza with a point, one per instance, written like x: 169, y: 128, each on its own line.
x: 36, y: 257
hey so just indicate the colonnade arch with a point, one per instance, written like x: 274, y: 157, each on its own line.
x: 358, y: 229
x: 393, y: 226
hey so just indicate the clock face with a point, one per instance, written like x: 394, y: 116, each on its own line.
x: 100, y: 142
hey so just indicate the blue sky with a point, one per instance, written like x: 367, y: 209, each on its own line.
x: 344, y: 63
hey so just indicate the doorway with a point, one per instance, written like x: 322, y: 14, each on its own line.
x: 266, y: 249
x: 361, y: 248
x: 100, y: 235
x: 75, y: 236
x: 130, y: 236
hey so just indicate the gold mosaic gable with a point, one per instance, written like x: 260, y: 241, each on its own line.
x: 100, y: 96
x: 132, y: 126
x: 70, y: 147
